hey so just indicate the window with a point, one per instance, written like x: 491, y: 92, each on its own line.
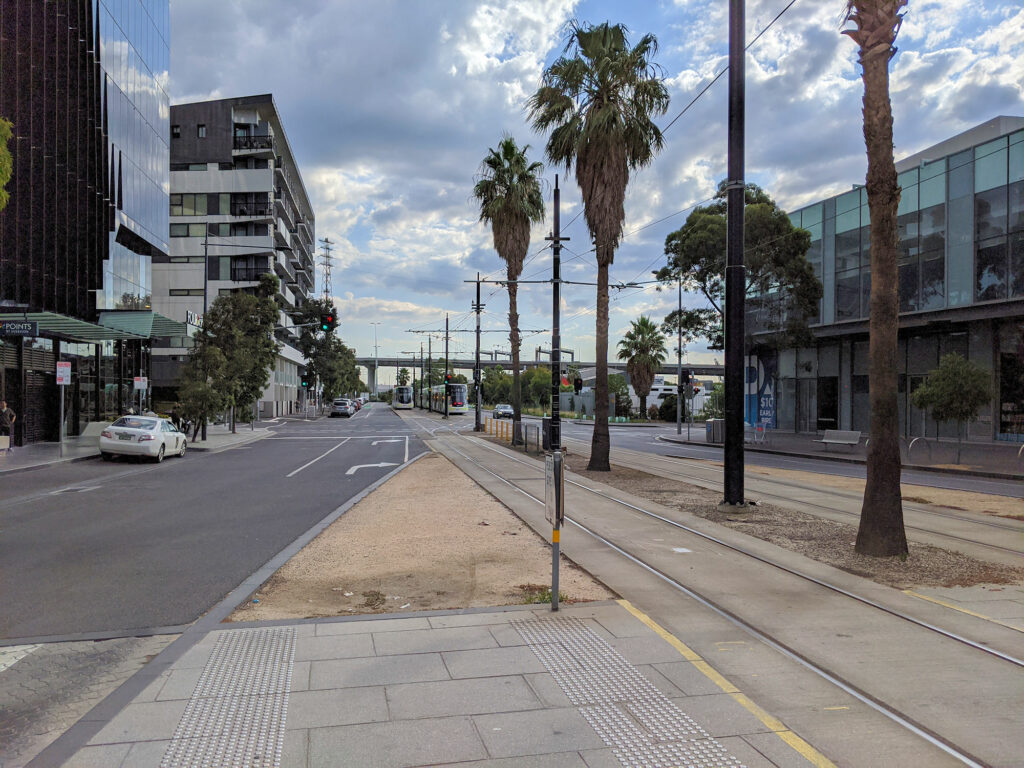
x: 179, y: 230
x: 933, y: 280
x: 1017, y: 264
x: 175, y: 131
x: 990, y: 213
x: 175, y: 205
x: 201, y: 131
x: 220, y: 230
x: 196, y: 230
x: 186, y: 259
x: 188, y: 205
x: 225, y: 166
x: 197, y: 166
x: 186, y: 292
x: 990, y: 270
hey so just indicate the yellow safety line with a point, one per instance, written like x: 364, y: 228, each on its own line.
x: 809, y: 753
x: 944, y: 604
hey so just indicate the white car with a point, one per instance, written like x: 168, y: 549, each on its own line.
x: 148, y: 436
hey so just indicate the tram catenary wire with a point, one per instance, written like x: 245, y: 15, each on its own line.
x: 864, y: 697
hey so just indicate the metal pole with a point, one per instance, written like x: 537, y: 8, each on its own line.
x: 679, y: 360
x: 478, y: 425
x: 60, y: 432
x: 446, y: 366
x: 556, y: 381
x: 206, y: 292
x: 430, y: 375
x: 735, y: 277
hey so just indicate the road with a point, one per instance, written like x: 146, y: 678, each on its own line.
x: 123, y: 548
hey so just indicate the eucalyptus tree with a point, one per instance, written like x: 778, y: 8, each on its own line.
x: 599, y: 101
x: 876, y: 24
x: 509, y: 191
x: 643, y: 349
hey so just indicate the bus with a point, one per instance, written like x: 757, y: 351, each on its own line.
x: 401, y: 398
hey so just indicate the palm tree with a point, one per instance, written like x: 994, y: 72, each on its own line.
x: 510, y: 201
x: 643, y: 349
x: 403, y: 377
x: 598, y: 99
x: 881, y: 531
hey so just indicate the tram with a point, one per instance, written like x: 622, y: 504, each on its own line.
x: 401, y: 398
x: 458, y: 398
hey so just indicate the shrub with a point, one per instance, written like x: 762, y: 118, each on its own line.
x: 652, y: 413
x: 667, y: 410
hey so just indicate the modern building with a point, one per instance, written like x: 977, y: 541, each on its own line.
x: 83, y: 83
x: 961, y: 287
x: 237, y: 204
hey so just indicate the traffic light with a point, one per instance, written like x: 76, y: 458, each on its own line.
x: 577, y: 385
x: 305, y: 382
x: 327, y: 321
x: 684, y: 379
x: 448, y: 378
x: 696, y: 391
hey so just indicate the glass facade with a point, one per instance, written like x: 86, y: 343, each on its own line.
x: 135, y: 59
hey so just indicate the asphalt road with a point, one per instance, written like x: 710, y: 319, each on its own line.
x: 121, y: 547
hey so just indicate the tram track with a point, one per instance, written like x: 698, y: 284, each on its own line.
x: 875, y: 703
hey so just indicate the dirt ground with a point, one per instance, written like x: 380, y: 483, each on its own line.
x: 823, y: 540
x: 399, y: 550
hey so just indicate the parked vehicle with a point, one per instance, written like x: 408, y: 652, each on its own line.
x: 147, y: 436
x: 341, y: 407
x: 503, y: 411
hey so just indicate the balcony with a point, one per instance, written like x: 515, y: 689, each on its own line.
x: 282, y: 236
x: 283, y: 268
x: 247, y: 274
x: 254, y: 143
x: 260, y: 209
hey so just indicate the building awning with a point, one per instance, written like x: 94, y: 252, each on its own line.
x: 70, y: 328
x: 142, y: 323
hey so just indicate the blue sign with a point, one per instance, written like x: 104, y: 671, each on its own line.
x: 19, y: 328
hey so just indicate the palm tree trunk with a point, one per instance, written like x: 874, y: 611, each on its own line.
x: 599, y: 444
x: 513, y: 337
x: 881, y: 532
x: 643, y: 406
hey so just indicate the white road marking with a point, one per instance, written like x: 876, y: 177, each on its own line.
x: 406, y: 449
x: 337, y: 437
x: 314, y: 461
x: 352, y: 470
x: 385, y: 441
x: 681, y: 549
x: 10, y: 655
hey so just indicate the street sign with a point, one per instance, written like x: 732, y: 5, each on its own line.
x: 63, y: 374
x: 19, y: 328
x: 141, y: 383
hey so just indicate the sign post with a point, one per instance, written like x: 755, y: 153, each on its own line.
x: 141, y: 385
x: 63, y: 380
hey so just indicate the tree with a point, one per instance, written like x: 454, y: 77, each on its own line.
x: 330, y: 361
x: 955, y: 391
x: 241, y: 327
x: 643, y: 349
x: 782, y: 291
x: 496, y: 385
x: 881, y: 532
x: 618, y: 386
x: 198, y: 394
x: 510, y: 201
x: 599, y: 100
x: 403, y: 377
x: 6, y: 162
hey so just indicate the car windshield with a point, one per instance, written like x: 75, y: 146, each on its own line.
x: 134, y: 422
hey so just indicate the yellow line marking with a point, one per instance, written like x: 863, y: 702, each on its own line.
x: 833, y: 709
x: 951, y: 606
x: 809, y: 753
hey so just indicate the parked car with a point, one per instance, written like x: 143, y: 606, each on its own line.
x: 147, y: 436
x: 341, y: 407
x: 503, y: 411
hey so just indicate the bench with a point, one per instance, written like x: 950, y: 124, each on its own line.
x: 840, y: 437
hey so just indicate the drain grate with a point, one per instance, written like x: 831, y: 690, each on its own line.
x: 641, y: 725
x: 237, y: 711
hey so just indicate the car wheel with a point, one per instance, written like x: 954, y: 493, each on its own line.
x: 184, y: 445
x: 107, y: 456
x: 160, y: 455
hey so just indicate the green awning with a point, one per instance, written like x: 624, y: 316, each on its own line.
x: 71, y: 328
x: 142, y: 323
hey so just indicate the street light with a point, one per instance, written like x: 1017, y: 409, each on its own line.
x: 375, y: 366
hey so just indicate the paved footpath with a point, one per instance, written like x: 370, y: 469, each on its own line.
x: 595, y: 685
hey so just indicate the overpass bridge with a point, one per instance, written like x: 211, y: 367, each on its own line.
x: 467, y: 364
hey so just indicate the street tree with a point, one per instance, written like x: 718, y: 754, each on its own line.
x: 955, y: 391
x: 497, y: 385
x: 509, y: 192
x: 330, y: 362
x: 643, y: 349
x: 6, y: 162
x: 599, y: 100
x: 782, y: 290
x: 619, y: 387
x: 881, y: 532
x: 403, y: 377
x: 200, y: 397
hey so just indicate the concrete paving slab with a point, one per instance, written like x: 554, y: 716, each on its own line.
x: 489, y: 662
x: 461, y: 697
x: 660, y: 682
x: 644, y: 650
x: 600, y: 758
x: 432, y: 640
x: 146, y: 754
x: 557, y: 760
x: 720, y: 715
x: 397, y: 744
x: 537, y: 732
x: 353, y: 673
x: 325, y: 708
x: 477, y: 619
x: 747, y: 754
x: 179, y: 684
x: 333, y: 647
x: 148, y: 721
x: 687, y: 678
x: 995, y: 609
x: 362, y: 627
x: 296, y: 749
x: 103, y: 756
x: 547, y: 689
x: 300, y: 676
x: 772, y: 748
x: 506, y: 635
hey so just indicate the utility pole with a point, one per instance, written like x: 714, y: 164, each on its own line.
x: 553, y: 462
x: 478, y: 307
x: 430, y: 376
x: 735, y: 273
x: 446, y: 366
x: 206, y: 301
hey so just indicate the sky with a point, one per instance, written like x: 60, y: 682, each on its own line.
x: 390, y: 107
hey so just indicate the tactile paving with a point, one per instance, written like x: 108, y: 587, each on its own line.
x: 236, y: 714
x: 641, y: 725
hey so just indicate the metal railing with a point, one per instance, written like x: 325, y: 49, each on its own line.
x: 262, y: 208
x: 247, y: 274
x: 254, y: 142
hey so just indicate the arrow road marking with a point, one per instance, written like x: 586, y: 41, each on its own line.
x: 385, y: 441
x: 352, y: 470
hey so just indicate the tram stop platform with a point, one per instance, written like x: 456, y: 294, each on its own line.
x: 594, y: 685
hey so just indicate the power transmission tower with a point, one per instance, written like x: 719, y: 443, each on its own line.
x: 326, y: 264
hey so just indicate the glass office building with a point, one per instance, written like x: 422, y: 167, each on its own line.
x: 961, y: 289
x: 83, y: 83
